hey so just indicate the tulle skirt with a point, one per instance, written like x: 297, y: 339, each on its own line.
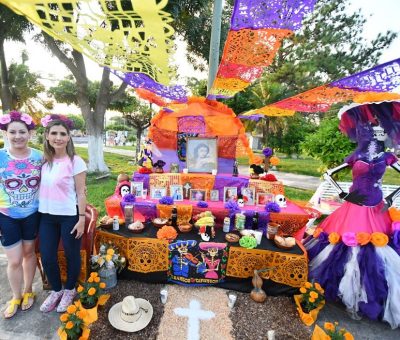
x: 354, y: 257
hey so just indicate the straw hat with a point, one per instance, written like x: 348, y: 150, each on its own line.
x: 130, y: 315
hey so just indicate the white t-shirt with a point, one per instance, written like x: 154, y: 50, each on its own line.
x: 57, y: 194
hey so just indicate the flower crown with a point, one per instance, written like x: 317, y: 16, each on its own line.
x: 15, y: 116
x: 53, y: 117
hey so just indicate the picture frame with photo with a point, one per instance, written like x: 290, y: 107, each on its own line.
x: 264, y: 198
x: 214, y: 195
x: 176, y: 192
x: 137, y: 188
x: 157, y: 193
x: 201, y: 154
x: 249, y: 195
x: 198, y: 195
x: 230, y: 193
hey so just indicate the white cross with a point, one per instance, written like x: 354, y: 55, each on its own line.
x: 187, y: 186
x: 195, y: 314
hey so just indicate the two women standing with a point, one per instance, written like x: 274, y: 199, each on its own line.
x: 62, y: 207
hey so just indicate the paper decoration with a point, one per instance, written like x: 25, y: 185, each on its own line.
x: 126, y: 35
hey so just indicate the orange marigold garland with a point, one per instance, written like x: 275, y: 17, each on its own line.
x: 167, y: 233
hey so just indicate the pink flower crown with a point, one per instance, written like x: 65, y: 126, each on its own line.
x: 16, y: 116
x: 50, y: 118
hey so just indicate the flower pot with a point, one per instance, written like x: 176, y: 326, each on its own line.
x: 307, y: 318
x: 91, y: 314
x: 63, y: 335
x: 108, y: 276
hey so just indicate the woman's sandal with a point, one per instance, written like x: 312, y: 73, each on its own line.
x: 27, y: 301
x: 12, y: 307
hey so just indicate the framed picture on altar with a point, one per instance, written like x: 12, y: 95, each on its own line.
x: 230, y: 193
x: 157, y: 193
x: 249, y: 196
x: 137, y: 188
x: 214, y: 195
x: 198, y: 195
x: 176, y: 192
x: 264, y: 198
x: 201, y: 154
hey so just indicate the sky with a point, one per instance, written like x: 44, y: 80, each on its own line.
x: 381, y: 16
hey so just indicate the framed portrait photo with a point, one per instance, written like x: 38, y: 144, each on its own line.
x: 249, y: 196
x: 157, y: 193
x: 198, y: 195
x: 214, y: 195
x: 201, y: 154
x: 230, y: 193
x: 264, y: 198
x: 176, y: 192
x: 137, y: 188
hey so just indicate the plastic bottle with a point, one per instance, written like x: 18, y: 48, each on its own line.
x: 115, y: 225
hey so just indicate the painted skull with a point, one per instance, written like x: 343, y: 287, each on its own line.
x: 240, y: 202
x: 125, y: 190
x: 281, y: 200
x: 21, y: 189
x: 379, y: 133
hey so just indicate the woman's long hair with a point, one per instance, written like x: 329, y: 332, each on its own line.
x: 49, y: 151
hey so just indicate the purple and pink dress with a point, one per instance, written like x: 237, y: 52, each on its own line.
x: 355, y: 253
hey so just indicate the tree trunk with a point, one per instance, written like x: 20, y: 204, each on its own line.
x: 138, y: 136
x: 265, y: 132
x: 6, y: 98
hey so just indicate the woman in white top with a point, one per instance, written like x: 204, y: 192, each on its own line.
x: 62, y: 203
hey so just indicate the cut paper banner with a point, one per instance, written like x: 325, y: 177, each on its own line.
x: 379, y: 83
x: 126, y: 35
x: 258, y: 28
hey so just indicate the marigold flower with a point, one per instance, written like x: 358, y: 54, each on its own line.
x: 97, y: 279
x: 308, y: 285
x: 92, y: 291
x: 348, y: 336
x: 81, y: 314
x: 108, y: 258
x: 71, y: 309
x: 363, y: 238
x: 303, y: 290
x: 110, y: 251
x: 314, y: 295
x: 90, y: 279
x: 307, y: 319
x: 317, y: 286
x: 94, y: 274
x: 102, y: 285
x: 64, y: 317
x: 329, y: 326
x: 311, y: 299
x: 274, y: 160
x: 379, y: 239
x: 317, y: 232
x: 69, y: 325
x: 79, y: 289
x: 334, y: 238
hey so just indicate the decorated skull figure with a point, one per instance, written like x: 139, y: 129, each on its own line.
x: 240, y: 202
x: 281, y: 200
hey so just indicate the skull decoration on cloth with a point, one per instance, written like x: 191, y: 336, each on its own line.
x: 281, y: 201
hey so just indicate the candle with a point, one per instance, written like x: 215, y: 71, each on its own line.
x: 231, y: 300
x: 164, y: 295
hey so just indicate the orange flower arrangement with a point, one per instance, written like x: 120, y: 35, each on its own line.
x: 363, y: 238
x: 91, y: 290
x: 167, y: 233
x: 331, y: 331
x: 274, y: 161
x: 379, y: 239
x: 309, y: 302
x: 73, y: 325
x: 394, y: 214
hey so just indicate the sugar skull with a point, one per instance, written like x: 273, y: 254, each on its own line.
x: 281, y: 201
x: 21, y: 189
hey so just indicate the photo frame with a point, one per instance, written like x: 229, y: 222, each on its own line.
x: 229, y: 193
x: 201, y: 154
x: 249, y: 195
x: 214, y: 195
x: 176, y: 192
x: 264, y: 198
x: 157, y: 193
x: 198, y: 195
x: 137, y: 188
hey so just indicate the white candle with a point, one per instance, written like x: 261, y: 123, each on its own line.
x: 258, y: 236
x: 231, y: 300
x: 164, y: 295
x: 214, y: 172
x: 271, y: 335
x: 185, y: 170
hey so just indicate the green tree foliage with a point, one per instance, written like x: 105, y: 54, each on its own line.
x: 79, y: 122
x: 328, y: 144
x: 198, y: 87
x: 12, y: 27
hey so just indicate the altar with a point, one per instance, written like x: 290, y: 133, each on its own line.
x: 152, y: 260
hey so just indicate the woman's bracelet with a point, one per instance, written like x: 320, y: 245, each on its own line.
x: 81, y: 214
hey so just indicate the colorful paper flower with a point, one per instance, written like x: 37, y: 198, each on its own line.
x: 272, y: 207
x: 349, y: 239
x: 202, y: 204
x: 167, y: 200
x: 334, y: 238
x: 267, y: 152
x: 317, y: 231
x: 363, y: 238
x: 5, y: 119
x: 129, y: 198
x: 379, y: 239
